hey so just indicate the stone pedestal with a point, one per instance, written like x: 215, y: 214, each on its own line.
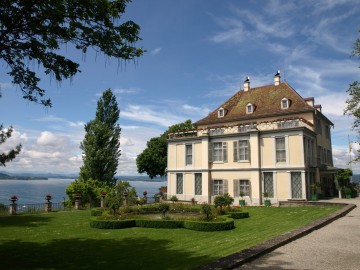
x: 48, y: 206
x: 77, y: 205
x: 103, y: 203
x: 12, y: 209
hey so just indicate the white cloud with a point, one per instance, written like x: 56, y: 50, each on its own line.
x: 142, y: 113
x: 121, y: 91
x: 156, y: 51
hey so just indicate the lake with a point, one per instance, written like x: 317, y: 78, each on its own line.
x: 34, y: 191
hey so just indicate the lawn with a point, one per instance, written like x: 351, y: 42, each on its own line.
x: 64, y: 240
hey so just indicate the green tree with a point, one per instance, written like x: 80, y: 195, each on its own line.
x: 90, y: 191
x: 343, y: 179
x: 12, y: 153
x: 101, y: 145
x: 33, y: 32
x: 353, y: 103
x: 153, y: 160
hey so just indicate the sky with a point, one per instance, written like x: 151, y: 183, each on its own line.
x: 198, y: 55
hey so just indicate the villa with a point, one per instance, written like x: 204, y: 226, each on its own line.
x: 266, y: 139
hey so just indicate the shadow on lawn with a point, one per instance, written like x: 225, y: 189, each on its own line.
x: 129, y: 253
x: 24, y: 220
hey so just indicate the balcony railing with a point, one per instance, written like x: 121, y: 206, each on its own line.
x: 243, y: 128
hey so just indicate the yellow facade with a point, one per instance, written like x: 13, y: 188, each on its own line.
x: 278, y: 155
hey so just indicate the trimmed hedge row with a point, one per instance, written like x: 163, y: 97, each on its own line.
x: 112, y: 224
x: 228, y: 224
x: 151, y: 223
x: 95, y: 212
x: 239, y: 215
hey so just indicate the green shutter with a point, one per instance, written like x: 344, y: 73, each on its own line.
x: 225, y: 186
x: 224, y: 151
x: 210, y: 152
x: 236, y: 188
x: 235, y: 143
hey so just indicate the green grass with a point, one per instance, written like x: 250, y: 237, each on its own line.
x: 64, y: 240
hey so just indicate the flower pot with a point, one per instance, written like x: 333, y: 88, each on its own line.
x: 242, y: 202
x: 348, y: 196
x: 267, y: 203
x: 314, y: 197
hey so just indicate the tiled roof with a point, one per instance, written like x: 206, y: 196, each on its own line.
x: 267, y: 102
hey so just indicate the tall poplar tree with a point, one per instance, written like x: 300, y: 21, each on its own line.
x: 101, y: 145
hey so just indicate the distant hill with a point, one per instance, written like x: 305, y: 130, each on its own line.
x: 45, y: 176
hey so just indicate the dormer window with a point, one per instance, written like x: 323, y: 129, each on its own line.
x: 250, y: 108
x: 285, y: 103
x: 221, y: 112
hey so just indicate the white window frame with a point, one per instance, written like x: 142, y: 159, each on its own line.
x: 285, y: 104
x: 239, y: 146
x: 178, y: 178
x: 279, y: 150
x: 221, y: 112
x: 188, y: 156
x: 219, y: 187
x: 249, y: 108
x: 219, y: 151
x: 197, y: 183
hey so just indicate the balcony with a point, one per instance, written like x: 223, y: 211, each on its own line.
x: 244, y: 128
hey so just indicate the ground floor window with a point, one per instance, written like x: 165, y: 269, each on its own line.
x: 198, y: 183
x: 269, y: 184
x: 242, y: 186
x: 219, y: 187
x: 296, y: 185
x: 179, y: 183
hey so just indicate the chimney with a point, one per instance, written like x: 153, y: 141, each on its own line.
x: 277, y: 78
x: 247, y: 84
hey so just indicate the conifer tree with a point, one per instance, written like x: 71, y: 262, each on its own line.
x: 101, y: 145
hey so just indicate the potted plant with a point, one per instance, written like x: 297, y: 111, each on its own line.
x: 103, y: 194
x: 267, y: 202
x: 13, y: 199
x: 48, y: 197
x: 174, y: 199
x: 314, y: 196
x: 145, y: 193
x: 242, y: 201
x: 347, y: 192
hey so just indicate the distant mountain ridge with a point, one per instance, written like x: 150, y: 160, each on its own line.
x: 45, y: 176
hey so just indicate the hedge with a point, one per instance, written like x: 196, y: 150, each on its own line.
x: 112, y: 224
x: 150, y: 223
x: 239, y: 215
x: 95, y: 212
x: 228, y: 224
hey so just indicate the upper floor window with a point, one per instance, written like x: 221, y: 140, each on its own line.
x: 241, y: 150
x: 221, y: 112
x: 218, y: 151
x: 188, y: 154
x: 285, y: 103
x: 327, y: 132
x: 250, y: 108
x: 280, y: 149
x: 318, y: 127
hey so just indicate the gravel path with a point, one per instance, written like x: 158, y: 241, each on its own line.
x: 335, y: 246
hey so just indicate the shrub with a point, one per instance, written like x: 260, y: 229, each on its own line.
x: 228, y: 224
x: 163, y: 208
x: 3, y: 209
x: 111, y: 224
x: 95, y: 212
x: 207, y: 210
x: 160, y: 223
x: 239, y: 215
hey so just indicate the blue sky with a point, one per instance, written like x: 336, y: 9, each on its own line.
x: 198, y: 55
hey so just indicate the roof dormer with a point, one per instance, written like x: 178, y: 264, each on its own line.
x: 221, y: 112
x: 285, y: 103
x: 250, y: 108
